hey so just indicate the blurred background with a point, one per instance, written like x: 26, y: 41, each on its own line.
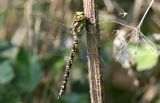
x: 35, y: 42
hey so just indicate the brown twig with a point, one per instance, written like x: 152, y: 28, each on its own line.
x: 94, y: 70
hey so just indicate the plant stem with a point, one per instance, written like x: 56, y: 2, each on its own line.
x: 94, y: 63
x: 140, y: 23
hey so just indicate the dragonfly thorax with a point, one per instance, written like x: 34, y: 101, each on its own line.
x: 78, y: 22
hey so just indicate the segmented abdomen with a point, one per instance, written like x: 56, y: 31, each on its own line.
x: 69, y: 66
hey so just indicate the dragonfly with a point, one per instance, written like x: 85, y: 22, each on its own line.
x: 75, y: 29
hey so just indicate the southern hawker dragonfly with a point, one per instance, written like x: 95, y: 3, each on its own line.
x: 75, y: 29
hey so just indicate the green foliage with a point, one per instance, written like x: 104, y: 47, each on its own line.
x: 76, y: 98
x: 157, y: 101
x: 144, y: 58
x: 18, y: 75
x: 28, y: 71
x: 6, y: 72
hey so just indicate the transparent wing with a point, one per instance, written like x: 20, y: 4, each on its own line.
x: 54, y: 38
x: 50, y: 37
x: 83, y: 47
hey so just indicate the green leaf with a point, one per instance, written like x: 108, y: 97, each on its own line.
x: 29, y: 71
x: 35, y: 73
x: 145, y: 58
x: 6, y: 72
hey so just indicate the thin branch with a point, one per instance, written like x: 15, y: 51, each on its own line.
x: 140, y: 23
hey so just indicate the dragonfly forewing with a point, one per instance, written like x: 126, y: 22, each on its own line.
x: 51, y: 37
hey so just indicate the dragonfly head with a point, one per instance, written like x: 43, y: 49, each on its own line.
x: 78, y: 16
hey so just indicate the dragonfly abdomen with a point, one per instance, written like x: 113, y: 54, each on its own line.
x: 69, y: 66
